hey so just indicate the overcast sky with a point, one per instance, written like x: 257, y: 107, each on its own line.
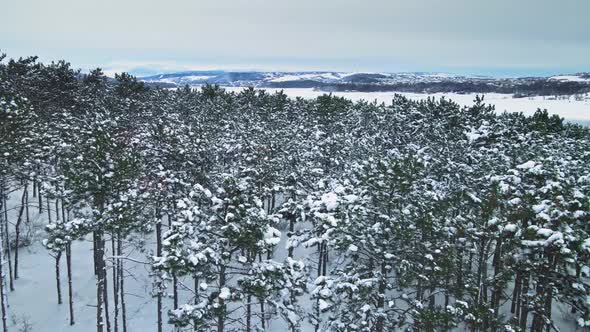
x: 505, y: 37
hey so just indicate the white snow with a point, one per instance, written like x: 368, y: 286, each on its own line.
x: 310, y: 76
x: 224, y: 294
x: 510, y: 228
x: 323, y: 305
x: 570, y: 78
x: 196, y: 77
x: 528, y: 165
x: 544, y: 232
x: 272, y: 236
x: 330, y: 200
x: 567, y: 107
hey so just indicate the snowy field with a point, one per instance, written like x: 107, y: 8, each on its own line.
x: 565, y: 106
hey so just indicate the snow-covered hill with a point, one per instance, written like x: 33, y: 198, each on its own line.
x: 414, y: 82
x: 254, y: 78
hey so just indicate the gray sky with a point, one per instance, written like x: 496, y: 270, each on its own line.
x: 466, y: 36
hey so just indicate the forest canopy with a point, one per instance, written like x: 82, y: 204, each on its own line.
x: 322, y: 213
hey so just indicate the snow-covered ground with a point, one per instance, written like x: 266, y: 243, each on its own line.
x: 34, y: 300
x: 568, y: 107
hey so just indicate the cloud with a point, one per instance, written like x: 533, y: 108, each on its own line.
x: 347, y: 34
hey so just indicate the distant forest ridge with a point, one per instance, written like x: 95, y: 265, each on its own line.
x: 420, y: 82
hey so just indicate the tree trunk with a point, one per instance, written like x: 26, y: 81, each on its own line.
x: 100, y: 281
x: 7, y: 240
x: 460, y: 287
x: 122, y: 281
x: 515, y: 305
x: 320, y: 263
x: 95, y: 253
x: 325, y: 263
x: 58, y: 277
x: 70, y: 291
x: 56, y: 210
x: 39, y: 198
x: 481, y: 281
x: 3, y: 295
x: 248, y: 313
x: 103, y: 272
x: 27, y: 214
x: 196, y: 301
x: 99, y: 285
x: 221, y: 316
x: 524, y: 310
x: 263, y: 314
x: 291, y: 231
x: 174, y: 278
x: 380, y: 326
x: 115, y: 285
x: 17, y: 231
x: 497, y: 291
x: 159, y: 253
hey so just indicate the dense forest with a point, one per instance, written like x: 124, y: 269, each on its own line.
x: 517, y: 87
x: 274, y: 213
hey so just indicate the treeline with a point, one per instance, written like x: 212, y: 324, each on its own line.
x: 518, y: 88
x: 291, y: 214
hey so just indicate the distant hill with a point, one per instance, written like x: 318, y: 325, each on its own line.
x: 419, y: 82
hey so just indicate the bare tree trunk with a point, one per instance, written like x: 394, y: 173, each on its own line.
x: 159, y: 253
x: 122, y: 283
x: 57, y: 277
x: 320, y: 263
x: 515, y: 304
x: 100, y: 282
x: 48, y: 211
x: 95, y: 253
x: 28, y: 218
x: 248, y: 313
x: 115, y: 284
x: 174, y: 278
x: 291, y: 231
x: 497, y: 291
x: 251, y: 258
x: 7, y: 239
x: 104, y: 274
x: 263, y: 314
x: 175, y: 290
x: 196, y: 285
x: 548, y: 306
x: 524, y: 310
x: 3, y: 295
x: 56, y: 209
x: 325, y: 263
x: 480, y: 282
x: 39, y: 198
x: 381, y: 301
x: 222, y: 312
x: 70, y: 292
x: 17, y: 231
x: 460, y: 286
